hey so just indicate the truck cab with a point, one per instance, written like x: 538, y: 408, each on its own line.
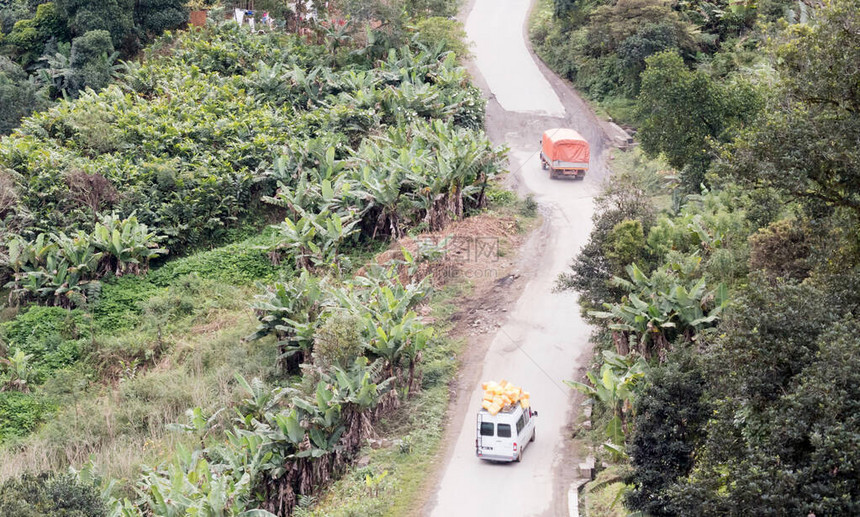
x: 504, y: 436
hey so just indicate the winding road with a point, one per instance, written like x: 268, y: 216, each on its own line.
x: 543, y: 341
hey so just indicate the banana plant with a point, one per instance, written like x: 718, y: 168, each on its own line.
x: 306, y: 87
x: 313, y: 195
x: 399, y: 342
x: 127, y: 244
x: 378, y: 189
x: 357, y: 385
x: 191, y: 485
x: 616, y: 387
x: 76, y: 264
x: 259, y: 399
x: 313, y: 238
x: 19, y: 375
x: 291, y: 311
x: 659, y: 307
x: 270, y: 84
x: 27, y: 257
x: 394, y: 339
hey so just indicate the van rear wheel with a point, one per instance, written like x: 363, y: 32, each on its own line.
x: 533, y: 435
x: 519, y: 456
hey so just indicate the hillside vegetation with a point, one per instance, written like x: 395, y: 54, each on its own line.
x: 227, y: 174
x: 55, y: 50
x: 726, y: 371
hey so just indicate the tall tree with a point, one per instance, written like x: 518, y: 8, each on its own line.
x: 684, y: 112
x: 114, y: 16
x: 669, y: 425
x: 809, y: 142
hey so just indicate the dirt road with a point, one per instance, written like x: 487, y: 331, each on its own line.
x: 543, y: 341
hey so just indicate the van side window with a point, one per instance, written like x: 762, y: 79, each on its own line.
x: 487, y: 429
x: 521, y: 423
x: 504, y: 430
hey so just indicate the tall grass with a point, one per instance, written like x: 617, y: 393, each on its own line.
x: 123, y: 423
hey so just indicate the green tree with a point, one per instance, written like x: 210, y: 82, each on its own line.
x: 20, y: 95
x: 152, y: 17
x: 625, y: 245
x: 684, y: 112
x: 11, y: 12
x: 669, y: 424
x: 612, y: 24
x: 807, y: 143
x: 796, y: 455
x: 781, y: 250
x: 28, y: 37
x: 114, y: 16
x: 91, y: 61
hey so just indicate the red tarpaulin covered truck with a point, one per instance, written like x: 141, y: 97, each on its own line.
x: 564, y: 152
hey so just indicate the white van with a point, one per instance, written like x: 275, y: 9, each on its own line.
x: 503, y: 436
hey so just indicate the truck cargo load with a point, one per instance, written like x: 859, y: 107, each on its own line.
x: 565, y: 153
x: 498, y: 396
x: 506, y: 422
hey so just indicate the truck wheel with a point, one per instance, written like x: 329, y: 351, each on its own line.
x: 543, y: 165
x: 534, y: 433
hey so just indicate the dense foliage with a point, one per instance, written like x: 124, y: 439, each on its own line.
x: 680, y: 73
x: 749, y: 405
x: 69, y: 45
x: 48, y: 495
x: 255, y: 111
x: 215, y: 133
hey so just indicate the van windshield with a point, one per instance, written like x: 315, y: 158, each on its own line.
x: 504, y: 430
x: 487, y: 429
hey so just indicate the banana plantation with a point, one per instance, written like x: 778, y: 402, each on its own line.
x: 241, y: 147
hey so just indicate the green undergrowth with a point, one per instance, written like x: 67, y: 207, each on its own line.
x: 240, y: 264
x: 154, y: 377
x: 111, y: 378
x: 604, y: 497
x: 653, y: 174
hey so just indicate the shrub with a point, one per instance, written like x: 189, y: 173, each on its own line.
x: 152, y: 17
x: 53, y: 335
x: 781, y: 250
x: 625, y: 244
x: 338, y: 341
x: 20, y: 414
x: 669, y: 423
x: 19, y: 96
x: 443, y: 31
x: 51, y: 495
